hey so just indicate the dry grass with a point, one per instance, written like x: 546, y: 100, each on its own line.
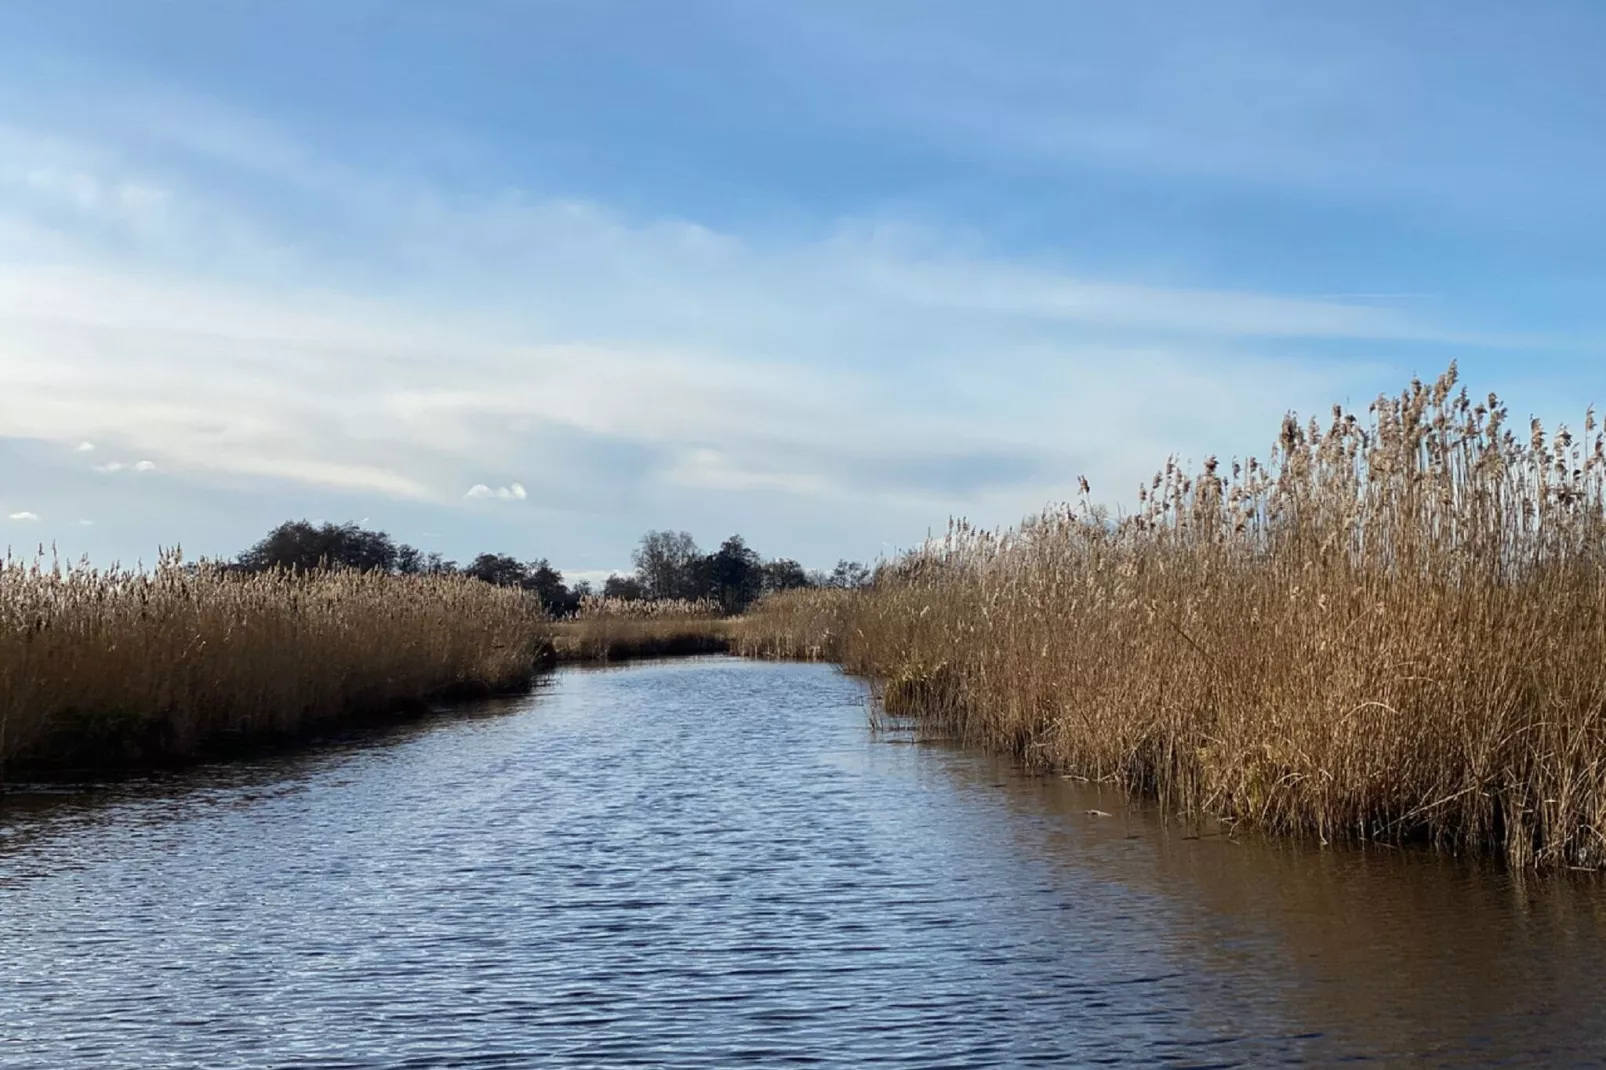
x: 799, y: 625
x: 1394, y: 630
x: 112, y: 667
x: 612, y: 629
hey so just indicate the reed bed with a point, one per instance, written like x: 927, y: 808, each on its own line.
x: 615, y: 629
x: 115, y: 667
x: 1395, y: 629
x: 808, y: 624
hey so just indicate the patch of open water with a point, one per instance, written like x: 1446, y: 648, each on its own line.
x: 714, y: 863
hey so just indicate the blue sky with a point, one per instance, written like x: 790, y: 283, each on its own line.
x: 825, y: 274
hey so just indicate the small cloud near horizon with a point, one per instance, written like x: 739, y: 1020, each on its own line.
x: 123, y: 466
x: 84, y: 447
x: 24, y: 515
x: 594, y: 576
x: 511, y: 492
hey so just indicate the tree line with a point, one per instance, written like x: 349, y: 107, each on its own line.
x: 667, y: 564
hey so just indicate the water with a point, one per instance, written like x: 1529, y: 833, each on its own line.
x: 715, y: 863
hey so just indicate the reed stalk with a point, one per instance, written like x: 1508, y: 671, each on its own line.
x: 1394, y: 629
x: 115, y: 667
x: 615, y: 629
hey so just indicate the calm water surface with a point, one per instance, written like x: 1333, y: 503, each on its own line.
x: 716, y: 863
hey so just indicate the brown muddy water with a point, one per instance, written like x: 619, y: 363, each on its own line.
x: 716, y: 863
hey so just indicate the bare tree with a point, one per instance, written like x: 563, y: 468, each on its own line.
x: 850, y: 575
x: 666, y: 562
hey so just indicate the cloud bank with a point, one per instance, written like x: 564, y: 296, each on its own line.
x: 882, y: 371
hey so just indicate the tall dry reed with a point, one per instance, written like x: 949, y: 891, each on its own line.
x: 1395, y: 629
x: 106, y: 667
x: 613, y: 629
x: 808, y: 624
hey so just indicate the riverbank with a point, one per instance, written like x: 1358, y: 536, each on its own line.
x: 110, y: 671
x: 611, y: 629
x: 105, y: 670
x: 579, y: 641
x: 707, y: 841
x: 1392, y: 631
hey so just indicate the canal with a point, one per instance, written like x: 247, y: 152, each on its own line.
x: 716, y: 863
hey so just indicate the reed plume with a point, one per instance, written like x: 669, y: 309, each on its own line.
x: 611, y: 629
x: 111, y: 666
x: 1393, y: 629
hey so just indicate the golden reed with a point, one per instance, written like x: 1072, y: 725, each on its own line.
x: 113, y: 667
x: 614, y: 629
x: 1393, y: 630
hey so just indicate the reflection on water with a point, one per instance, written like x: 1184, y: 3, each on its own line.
x: 716, y: 863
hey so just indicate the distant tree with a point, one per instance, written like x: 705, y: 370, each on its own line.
x: 300, y: 544
x: 538, y: 577
x: 666, y: 564
x: 735, y: 575
x: 849, y: 575
x: 784, y: 574
x: 628, y: 588
x: 499, y: 570
x: 547, y: 583
x: 409, y: 560
x: 698, y: 581
x: 435, y: 565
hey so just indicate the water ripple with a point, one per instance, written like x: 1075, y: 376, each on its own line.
x: 715, y: 863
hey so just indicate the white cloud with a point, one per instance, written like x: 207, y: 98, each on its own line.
x: 210, y: 382
x: 511, y: 492
x: 84, y: 447
x: 714, y: 470
x: 594, y: 576
x: 85, y: 523
x: 24, y: 515
x: 871, y: 365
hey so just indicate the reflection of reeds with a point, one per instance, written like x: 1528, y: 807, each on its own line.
x: 612, y: 629
x: 105, y: 667
x: 1395, y: 629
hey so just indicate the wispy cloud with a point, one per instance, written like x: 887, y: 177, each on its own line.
x: 23, y: 515
x: 868, y: 364
x: 707, y: 362
x: 84, y: 447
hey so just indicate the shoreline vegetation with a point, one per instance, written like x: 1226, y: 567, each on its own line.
x: 107, y: 670
x: 321, y: 626
x: 615, y: 629
x: 1393, y: 631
